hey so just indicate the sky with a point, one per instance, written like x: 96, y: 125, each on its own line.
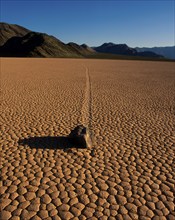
x: 143, y: 23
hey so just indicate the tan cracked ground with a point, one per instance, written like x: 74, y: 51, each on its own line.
x: 129, y: 171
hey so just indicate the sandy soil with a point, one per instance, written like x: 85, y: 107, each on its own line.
x: 128, y: 173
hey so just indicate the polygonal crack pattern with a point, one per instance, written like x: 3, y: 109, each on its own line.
x: 128, y: 172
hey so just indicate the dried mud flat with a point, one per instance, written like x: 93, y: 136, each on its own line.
x: 128, y: 173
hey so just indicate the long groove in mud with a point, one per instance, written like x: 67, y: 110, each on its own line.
x: 86, y: 107
x: 90, y: 103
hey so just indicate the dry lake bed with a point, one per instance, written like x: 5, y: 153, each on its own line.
x: 127, y: 173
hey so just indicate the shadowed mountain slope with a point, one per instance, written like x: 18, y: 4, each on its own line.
x: 17, y: 41
x: 11, y: 30
x: 37, y: 45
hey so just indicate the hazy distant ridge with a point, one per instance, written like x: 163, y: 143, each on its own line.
x: 168, y: 52
x: 123, y: 49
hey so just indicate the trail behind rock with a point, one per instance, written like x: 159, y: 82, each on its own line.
x: 86, y: 106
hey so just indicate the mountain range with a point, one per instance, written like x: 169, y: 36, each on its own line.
x: 17, y: 41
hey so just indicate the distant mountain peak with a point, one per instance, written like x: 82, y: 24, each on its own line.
x: 84, y: 45
x: 110, y: 44
x: 89, y: 49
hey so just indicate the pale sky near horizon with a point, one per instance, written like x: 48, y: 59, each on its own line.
x: 144, y: 23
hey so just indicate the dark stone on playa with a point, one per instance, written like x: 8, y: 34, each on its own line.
x: 80, y: 137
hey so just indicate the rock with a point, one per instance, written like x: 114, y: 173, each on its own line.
x: 80, y: 136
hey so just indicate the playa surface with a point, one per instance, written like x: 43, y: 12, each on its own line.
x: 127, y: 173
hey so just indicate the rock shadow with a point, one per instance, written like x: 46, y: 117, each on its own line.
x: 47, y: 142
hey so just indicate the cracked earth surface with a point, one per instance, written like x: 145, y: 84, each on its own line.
x: 129, y: 171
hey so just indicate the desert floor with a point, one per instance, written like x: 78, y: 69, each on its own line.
x: 127, y: 173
